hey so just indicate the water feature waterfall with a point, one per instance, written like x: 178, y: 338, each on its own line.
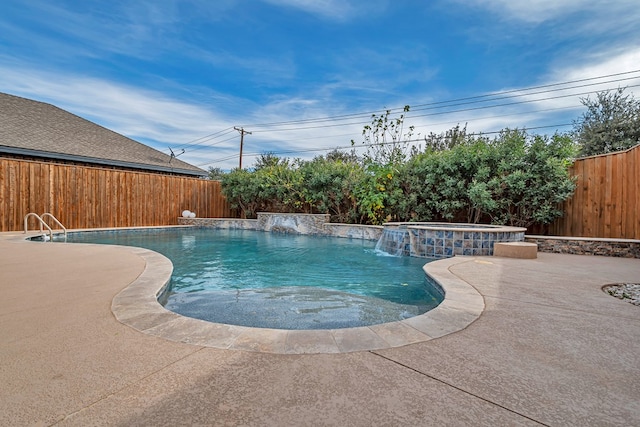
x: 443, y: 240
x: 394, y: 241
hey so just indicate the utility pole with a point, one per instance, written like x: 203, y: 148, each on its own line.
x: 242, y: 132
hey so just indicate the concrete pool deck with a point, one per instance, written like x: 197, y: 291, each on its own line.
x: 550, y: 348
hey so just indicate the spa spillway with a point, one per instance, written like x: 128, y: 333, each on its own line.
x: 444, y: 240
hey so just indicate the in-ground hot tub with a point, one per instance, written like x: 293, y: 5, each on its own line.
x: 443, y: 240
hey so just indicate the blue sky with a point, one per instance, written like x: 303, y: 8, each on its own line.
x: 182, y: 74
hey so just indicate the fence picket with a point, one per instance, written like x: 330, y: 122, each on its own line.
x: 606, y: 202
x: 89, y: 197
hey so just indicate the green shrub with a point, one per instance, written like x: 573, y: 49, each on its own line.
x: 513, y: 179
x: 242, y: 190
x: 529, y: 187
x: 330, y: 186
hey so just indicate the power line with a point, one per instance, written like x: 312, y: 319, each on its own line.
x: 346, y: 147
x: 493, y: 94
x: 409, y: 115
x: 421, y: 107
x: 451, y: 112
x: 207, y: 137
x: 200, y: 147
x: 449, y: 122
x: 545, y: 86
x: 444, y: 104
x: 449, y: 103
x: 515, y: 103
x: 530, y: 94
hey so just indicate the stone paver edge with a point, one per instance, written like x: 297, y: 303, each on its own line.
x: 137, y: 306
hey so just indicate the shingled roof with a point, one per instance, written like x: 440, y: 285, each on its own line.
x: 36, y: 129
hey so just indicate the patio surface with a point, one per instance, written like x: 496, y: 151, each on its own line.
x: 550, y: 348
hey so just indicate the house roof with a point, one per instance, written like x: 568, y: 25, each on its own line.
x: 38, y: 129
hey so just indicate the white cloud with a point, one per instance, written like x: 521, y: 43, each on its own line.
x: 601, y: 63
x: 163, y: 121
x: 545, y: 106
x: 332, y: 9
x: 138, y: 113
x: 576, y: 16
x: 142, y: 29
x: 622, y: 67
x: 534, y: 11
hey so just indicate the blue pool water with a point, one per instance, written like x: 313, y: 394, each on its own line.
x: 271, y: 280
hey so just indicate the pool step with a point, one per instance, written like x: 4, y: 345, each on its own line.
x: 522, y: 250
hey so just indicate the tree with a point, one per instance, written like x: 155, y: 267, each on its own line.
x: 385, y: 138
x: 512, y: 179
x: 342, y: 156
x: 243, y: 191
x: 531, y: 179
x: 215, y: 174
x: 330, y: 184
x: 446, y: 140
x: 611, y: 123
x: 267, y: 160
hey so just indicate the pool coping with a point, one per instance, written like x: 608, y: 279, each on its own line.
x: 137, y: 306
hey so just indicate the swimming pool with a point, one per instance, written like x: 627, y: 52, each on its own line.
x: 271, y: 280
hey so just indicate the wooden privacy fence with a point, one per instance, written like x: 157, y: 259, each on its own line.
x: 605, y: 204
x: 93, y: 197
x: 606, y: 200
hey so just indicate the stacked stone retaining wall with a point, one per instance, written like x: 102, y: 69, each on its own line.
x: 225, y: 223
x: 366, y: 232
x: 317, y: 224
x: 625, y: 248
x: 293, y: 223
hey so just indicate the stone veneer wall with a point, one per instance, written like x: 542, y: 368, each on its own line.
x: 226, y: 223
x: 625, y: 248
x: 293, y: 223
x: 290, y: 223
x: 365, y: 232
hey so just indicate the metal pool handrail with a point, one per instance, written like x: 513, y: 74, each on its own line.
x: 47, y: 214
x: 44, y: 224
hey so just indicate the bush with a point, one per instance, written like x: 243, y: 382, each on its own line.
x: 448, y: 185
x: 611, y: 123
x: 514, y: 179
x: 530, y: 184
x: 330, y: 187
x: 242, y: 190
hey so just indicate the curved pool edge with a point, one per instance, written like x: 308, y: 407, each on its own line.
x: 137, y: 306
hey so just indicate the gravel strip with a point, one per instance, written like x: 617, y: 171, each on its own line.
x: 629, y: 292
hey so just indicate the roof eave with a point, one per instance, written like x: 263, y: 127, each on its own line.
x: 98, y: 161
